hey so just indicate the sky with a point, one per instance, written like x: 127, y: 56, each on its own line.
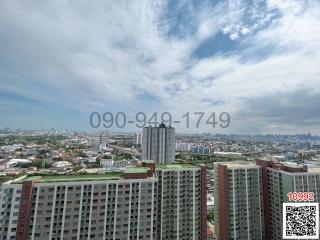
x: 259, y: 61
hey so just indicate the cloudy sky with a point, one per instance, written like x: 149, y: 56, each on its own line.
x: 258, y: 60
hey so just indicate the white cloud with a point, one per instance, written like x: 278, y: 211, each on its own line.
x: 89, y: 55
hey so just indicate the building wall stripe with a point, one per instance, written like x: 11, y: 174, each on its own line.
x: 193, y: 204
x: 260, y: 205
x: 90, y: 213
x: 247, y: 201
x: 129, y: 218
x: 105, y: 213
x: 152, y: 210
x: 80, y: 212
x: 234, y: 206
x: 115, y: 213
x: 64, y: 210
x: 53, y: 211
x: 138, y: 225
x: 35, y: 213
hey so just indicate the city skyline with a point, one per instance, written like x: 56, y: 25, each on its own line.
x: 256, y: 60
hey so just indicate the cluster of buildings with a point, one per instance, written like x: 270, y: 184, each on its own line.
x: 249, y: 197
x: 156, y: 199
x: 150, y: 196
x: 55, y: 150
x: 152, y: 201
x: 291, y: 147
x: 193, y: 148
x: 200, y: 149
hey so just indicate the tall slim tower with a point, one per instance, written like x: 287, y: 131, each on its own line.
x: 137, y: 139
x: 158, y: 144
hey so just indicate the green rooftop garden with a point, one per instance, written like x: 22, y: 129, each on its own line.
x: 148, y: 161
x: 5, y: 178
x: 174, y: 165
x: 71, y: 177
x: 136, y: 170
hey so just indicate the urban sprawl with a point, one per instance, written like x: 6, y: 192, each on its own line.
x: 156, y: 184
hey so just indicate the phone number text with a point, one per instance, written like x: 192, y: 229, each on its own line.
x: 141, y: 119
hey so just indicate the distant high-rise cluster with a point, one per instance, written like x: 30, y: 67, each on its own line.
x: 158, y: 143
x: 166, y: 201
x: 249, y: 197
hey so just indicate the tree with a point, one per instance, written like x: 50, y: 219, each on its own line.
x: 39, y: 164
x: 77, y: 168
x: 83, y: 155
x: 122, y: 156
x: 210, y: 216
x: 105, y: 156
x: 57, y: 158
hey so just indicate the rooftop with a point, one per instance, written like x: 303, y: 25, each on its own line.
x: 148, y: 161
x: 239, y: 164
x: 5, y: 178
x: 136, y: 170
x: 70, y: 177
x: 314, y: 170
x: 174, y: 165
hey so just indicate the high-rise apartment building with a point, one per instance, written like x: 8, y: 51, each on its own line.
x: 10, y: 198
x: 102, y: 140
x: 158, y: 144
x: 238, y: 201
x: 278, y: 180
x: 166, y: 201
x: 108, y: 206
x: 182, y: 202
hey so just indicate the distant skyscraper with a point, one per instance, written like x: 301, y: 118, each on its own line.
x: 137, y: 139
x: 238, y: 201
x: 102, y: 140
x: 158, y: 144
x: 279, y: 179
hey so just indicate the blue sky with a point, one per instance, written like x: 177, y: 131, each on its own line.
x: 258, y: 60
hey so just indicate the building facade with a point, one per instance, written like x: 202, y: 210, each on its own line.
x: 102, y: 140
x: 183, y: 147
x: 10, y: 198
x: 158, y: 144
x: 88, y: 208
x: 202, y: 150
x: 110, y: 163
x: 238, y: 194
x: 182, y: 202
x: 137, y: 139
x: 165, y: 201
x: 280, y: 179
